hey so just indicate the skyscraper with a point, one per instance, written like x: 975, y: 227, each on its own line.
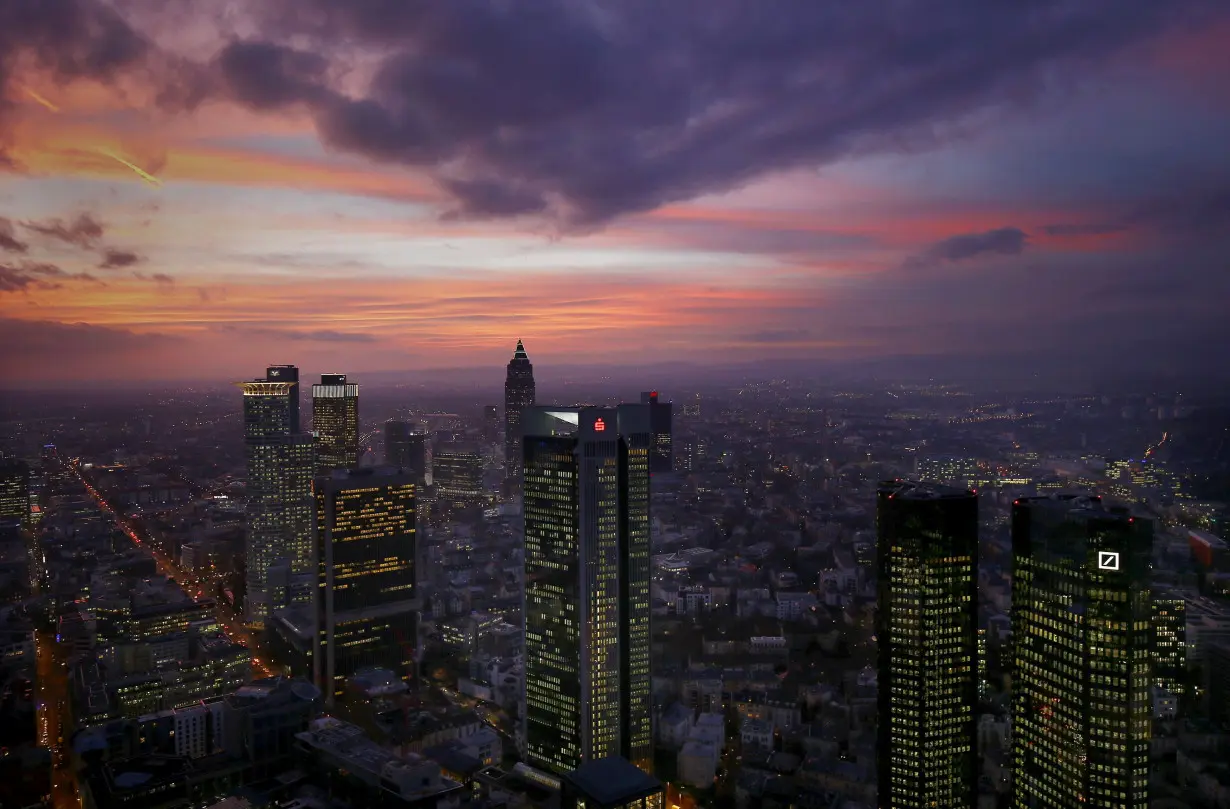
x: 1081, y: 670
x: 662, y: 453
x: 271, y: 405
x: 406, y: 450
x: 457, y: 474
x: 367, y: 608
x: 928, y: 645
x: 1170, y: 642
x: 587, y: 574
x: 518, y: 395
x: 14, y: 492
x: 281, y: 462
x: 335, y: 421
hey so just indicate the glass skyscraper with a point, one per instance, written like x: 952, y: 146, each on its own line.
x: 281, y: 462
x: 587, y: 576
x: 1082, y: 631
x: 662, y: 453
x: 335, y: 421
x: 928, y: 645
x: 406, y: 449
x: 518, y: 395
x: 457, y: 475
x: 366, y: 605
x: 14, y: 492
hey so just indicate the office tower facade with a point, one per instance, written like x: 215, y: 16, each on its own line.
x: 366, y: 604
x: 279, y: 412
x: 519, y: 394
x: 406, y: 449
x: 928, y: 645
x: 281, y: 463
x: 586, y: 593
x: 457, y: 475
x: 1170, y: 642
x: 662, y: 453
x: 335, y: 421
x: 14, y: 492
x: 1082, y: 662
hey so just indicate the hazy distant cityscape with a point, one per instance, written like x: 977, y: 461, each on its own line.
x: 202, y: 612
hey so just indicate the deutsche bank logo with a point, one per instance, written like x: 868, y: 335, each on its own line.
x: 1108, y: 560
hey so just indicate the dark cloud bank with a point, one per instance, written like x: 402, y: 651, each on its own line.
x: 587, y: 110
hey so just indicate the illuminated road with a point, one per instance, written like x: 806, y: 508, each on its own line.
x: 231, y: 623
x: 55, y: 722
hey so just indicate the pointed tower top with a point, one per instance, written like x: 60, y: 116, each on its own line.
x: 520, y: 353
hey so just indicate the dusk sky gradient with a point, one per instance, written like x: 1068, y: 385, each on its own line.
x: 376, y: 185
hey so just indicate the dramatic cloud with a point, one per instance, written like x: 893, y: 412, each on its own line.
x: 85, y: 231
x: 1006, y: 241
x: 8, y: 238
x: 118, y: 259
x: 591, y: 110
x: 588, y: 110
x: 35, y: 275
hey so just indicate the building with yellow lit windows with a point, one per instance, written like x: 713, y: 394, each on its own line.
x: 335, y: 423
x: 281, y: 462
x: 928, y: 645
x: 14, y: 492
x: 1082, y: 629
x: 366, y: 602
x: 587, y: 575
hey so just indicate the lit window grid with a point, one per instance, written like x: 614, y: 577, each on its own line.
x: 1082, y: 669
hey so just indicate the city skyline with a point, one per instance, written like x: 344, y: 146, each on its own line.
x: 1001, y: 181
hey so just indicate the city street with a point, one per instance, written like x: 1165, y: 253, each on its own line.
x: 231, y: 623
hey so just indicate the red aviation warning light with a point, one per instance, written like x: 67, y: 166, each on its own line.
x: 599, y: 425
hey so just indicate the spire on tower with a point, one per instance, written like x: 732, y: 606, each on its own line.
x: 520, y: 352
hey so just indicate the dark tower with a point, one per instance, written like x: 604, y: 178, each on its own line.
x: 586, y: 596
x: 367, y: 607
x: 662, y: 454
x: 491, y: 423
x: 518, y: 395
x: 928, y: 639
x: 1082, y: 663
x: 335, y: 421
x: 406, y: 450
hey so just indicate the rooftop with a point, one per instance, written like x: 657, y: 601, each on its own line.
x: 612, y: 780
x: 920, y: 490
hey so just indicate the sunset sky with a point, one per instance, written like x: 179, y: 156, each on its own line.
x: 196, y: 188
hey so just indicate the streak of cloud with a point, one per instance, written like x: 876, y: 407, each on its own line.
x: 84, y: 231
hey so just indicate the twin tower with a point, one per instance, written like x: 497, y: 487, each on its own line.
x: 1081, y: 657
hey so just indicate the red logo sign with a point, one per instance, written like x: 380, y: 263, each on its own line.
x: 599, y: 425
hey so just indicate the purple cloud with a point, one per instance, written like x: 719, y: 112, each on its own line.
x: 84, y: 231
